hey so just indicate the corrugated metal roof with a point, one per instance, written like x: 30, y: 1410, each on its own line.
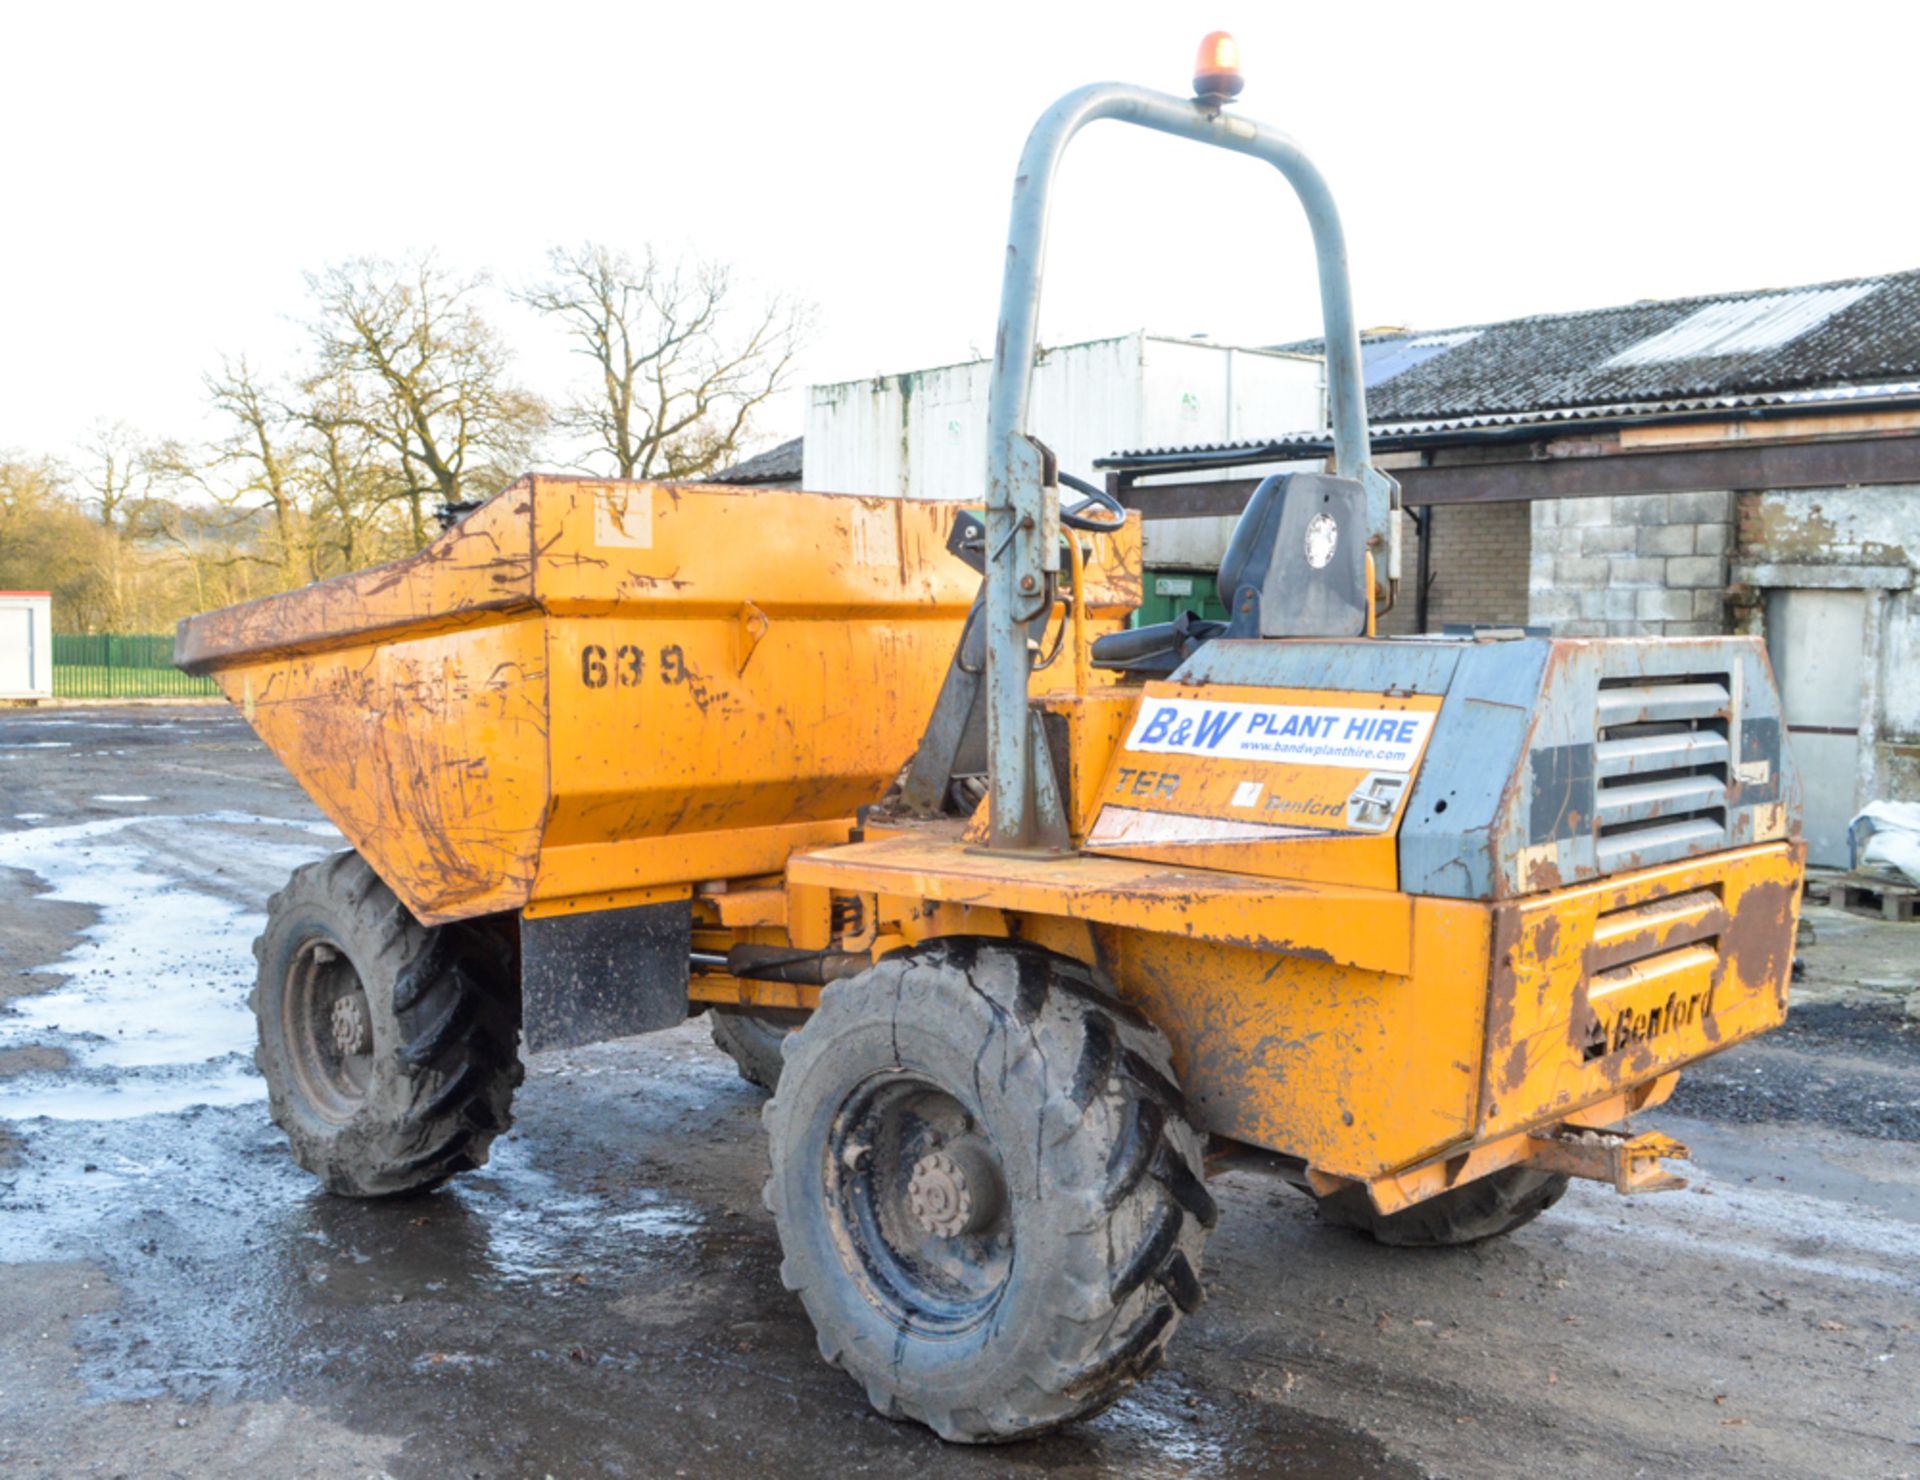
x: 1841, y: 341
x: 777, y: 465
x: 1595, y: 357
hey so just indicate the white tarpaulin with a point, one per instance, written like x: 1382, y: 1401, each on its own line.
x: 1886, y: 836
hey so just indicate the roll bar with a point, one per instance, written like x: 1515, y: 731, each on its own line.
x: 1023, y: 525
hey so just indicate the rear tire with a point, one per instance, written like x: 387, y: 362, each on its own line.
x: 988, y: 1195
x: 390, y: 1049
x: 1493, y: 1205
x: 753, y: 1041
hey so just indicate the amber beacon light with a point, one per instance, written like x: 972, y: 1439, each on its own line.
x: 1216, y: 70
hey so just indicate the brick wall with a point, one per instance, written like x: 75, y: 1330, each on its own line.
x: 1478, y: 570
x: 1631, y: 565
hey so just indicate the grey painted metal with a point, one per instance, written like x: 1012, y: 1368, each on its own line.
x: 1022, y: 512
x: 1360, y: 667
x: 1479, y: 744
x: 953, y: 743
x: 1297, y: 598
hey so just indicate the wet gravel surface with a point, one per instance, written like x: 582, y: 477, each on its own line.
x: 603, y: 1298
x: 1852, y: 1066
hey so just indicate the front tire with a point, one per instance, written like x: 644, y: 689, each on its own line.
x: 390, y: 1049
x: 987, y: 1193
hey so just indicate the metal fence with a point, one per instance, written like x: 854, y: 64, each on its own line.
x: 121, y: 666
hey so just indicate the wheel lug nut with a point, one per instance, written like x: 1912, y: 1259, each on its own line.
x: 954, y: 1191
x: 352, y: 1032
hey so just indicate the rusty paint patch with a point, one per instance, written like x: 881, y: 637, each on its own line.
x: 1515, y: 1073
x: 1758, y: 941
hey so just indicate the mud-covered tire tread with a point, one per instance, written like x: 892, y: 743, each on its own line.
x: 1135, y: 1151
x: 1178, y: 1280
x: 1141, y: 1220
x: 752, y: 1040
x: 444, y: 1091
x: 1186, y: 1189
x: 1485, y: 1208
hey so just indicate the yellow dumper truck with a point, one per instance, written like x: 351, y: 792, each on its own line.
x: 1028, y: 919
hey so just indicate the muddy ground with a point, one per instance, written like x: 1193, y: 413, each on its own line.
x: 176, y: 1299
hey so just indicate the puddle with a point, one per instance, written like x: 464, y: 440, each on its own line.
x: 536, y: 1230
x: 152, y: 1015
x: 238, y: 1272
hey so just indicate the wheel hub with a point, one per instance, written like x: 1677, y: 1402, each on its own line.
x: 921, y: 1202
x: 327, y: 1022
x: 954, y: 1191
x: 352, y: 1031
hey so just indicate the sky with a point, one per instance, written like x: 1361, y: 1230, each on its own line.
x: 171, y: 172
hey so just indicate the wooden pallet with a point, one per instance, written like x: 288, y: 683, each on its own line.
x: 1877, y: 899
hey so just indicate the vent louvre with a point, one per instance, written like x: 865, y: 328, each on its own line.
x: 1661, y: 764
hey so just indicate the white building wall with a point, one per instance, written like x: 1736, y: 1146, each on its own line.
x: 924, y: 434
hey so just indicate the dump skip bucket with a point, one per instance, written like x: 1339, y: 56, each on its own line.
x: 587, y: 689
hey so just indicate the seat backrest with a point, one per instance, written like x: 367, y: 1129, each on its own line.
x: 1297, y: 563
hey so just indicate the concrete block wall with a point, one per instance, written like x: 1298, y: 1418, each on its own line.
x: 1479, y: 568
x: 1632, y: 565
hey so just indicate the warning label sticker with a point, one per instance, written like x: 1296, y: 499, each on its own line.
x: 1300, y: 734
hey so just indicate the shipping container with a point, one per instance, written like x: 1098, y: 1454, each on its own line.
x: 26, y: 645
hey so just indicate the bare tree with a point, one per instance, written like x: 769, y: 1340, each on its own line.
x: 117, y: 469
x: 257, y: 460
x: 681, y: 365
x: 428, y: 379
x: 348, y: 477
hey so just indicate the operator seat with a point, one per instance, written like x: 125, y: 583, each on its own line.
x: 1295, y: 567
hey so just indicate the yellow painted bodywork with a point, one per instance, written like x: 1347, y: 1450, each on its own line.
x: 1365, y: 1031
x: 589, y: 696
x: 587, y: 689
x: 1608, y: 984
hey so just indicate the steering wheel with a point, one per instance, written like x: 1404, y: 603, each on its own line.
x: 1095, y: 498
